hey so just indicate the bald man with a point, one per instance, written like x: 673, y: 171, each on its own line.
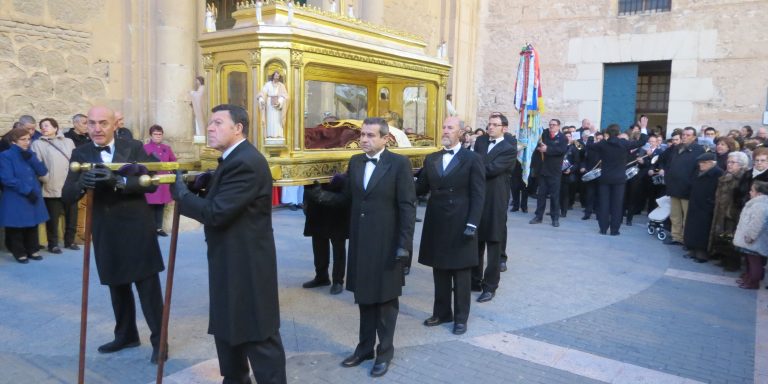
x: 455, y: 179
x: 122, y: 132
x: 124, y: 238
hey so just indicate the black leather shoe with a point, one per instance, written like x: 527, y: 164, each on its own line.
x: 380, y: 369
x: 459, y: 329
x: 156, y: 353
x: 615, y: 233
x: 535, y: 220
x: 555, y: 223
x: 35, y: 257
x: 486, y: 296
x: 586, y: 217
x: 503, y: 266
x: 603, y: 232
x: 336, y: 288
x: 514, y: 209
x: 696, y: 259
x: 161, y: 233
x: 314, y: 283
x: 525, y: 210
x: 54, y: 249
x: 73, y: 247
x: 434, y: 321
x: 355, y: 360
x: 629, y: 222
x: 406, y: 271
x: 114, y: 346
x: 563, y: 213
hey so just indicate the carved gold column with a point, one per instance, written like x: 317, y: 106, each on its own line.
x: 297, y: 105
x: 254, y: 57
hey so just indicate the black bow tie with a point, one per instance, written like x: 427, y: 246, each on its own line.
x: 448, y: 151
x: 372, y: 160
x: 492, y: 141
x: 220, y: 159
x: 105, y: 149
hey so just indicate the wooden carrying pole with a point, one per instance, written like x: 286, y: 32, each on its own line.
x: 86, y: 273
x: 168, y: 290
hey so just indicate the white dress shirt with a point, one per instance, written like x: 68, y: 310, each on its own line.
x: 491, y: 145
x: 447, y: 157
x: 369, y: 167
x: 107, y: 156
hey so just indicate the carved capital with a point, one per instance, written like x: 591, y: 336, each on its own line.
x: 208, y: 61
x: 297, y: 58
x: 255, y: 58
x: 443, y: 81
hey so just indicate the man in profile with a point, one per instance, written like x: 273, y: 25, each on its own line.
x: 237, y: 215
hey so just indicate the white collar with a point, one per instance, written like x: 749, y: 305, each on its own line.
x: 230, y: 149
x: 111, y: 145
x: 377, y: 155
x: 455, y: 148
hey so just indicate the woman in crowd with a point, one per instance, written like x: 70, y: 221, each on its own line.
x: 701, y: 207
x: 162, y: 196
x: 723, y: 146
x: 751, y: 237
x: 727, y: 212
x: 54, y: 150
x: 21, y: 204
x: 757, y: 173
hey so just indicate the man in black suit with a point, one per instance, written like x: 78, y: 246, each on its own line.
x: 589, y: 161
x: 455, y: 179
x: 237, y: 214
x: 612, y: 153
x: 126, y: 248
x: 551, y: 149
x: 382, y: 220
x: 499, y: 156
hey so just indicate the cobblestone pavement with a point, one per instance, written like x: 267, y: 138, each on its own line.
x: 574, y: 307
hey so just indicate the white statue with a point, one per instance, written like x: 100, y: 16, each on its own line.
x: 350, y: 12
x: 273, y: 100
x: 259, y: 4
x: 199, y: 105
x: 442, y: 50
x: 290, y: 12
x: 210, y: 20
x: 333, y: 6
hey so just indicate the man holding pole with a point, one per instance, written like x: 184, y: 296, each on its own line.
x: 125, y: 243
x: 237, y: 215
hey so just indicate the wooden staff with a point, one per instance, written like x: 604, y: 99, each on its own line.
x: 168, y: 289
x: 86, y: 275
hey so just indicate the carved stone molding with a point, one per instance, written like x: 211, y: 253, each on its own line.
x: 255, y: 58
x: 375, y: 60
x: 208, y: 61
x: 297, y: 58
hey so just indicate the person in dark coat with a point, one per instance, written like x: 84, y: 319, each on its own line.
x: 551, y: 149
x: 237, y: 216
x: 21, y: 202
x: 499, y: 156
x: 79, y: 132
x: 329, y: 229
x: 455, y: 179
x: 612, y: 155
x: 679, y: 171
x: 568, y: 179
x: 757, y: 173
x: 382, y: 220
x: 589, y: 162
x: 701, y: 207
x: 124, y: 240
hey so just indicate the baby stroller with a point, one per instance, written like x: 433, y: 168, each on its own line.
x: 658, y: 219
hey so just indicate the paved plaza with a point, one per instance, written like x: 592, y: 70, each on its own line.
x: 574, y: 307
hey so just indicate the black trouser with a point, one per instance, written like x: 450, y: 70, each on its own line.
x: 124, y: 307
x: 21, y: 241
x: 456, y: 282
x: 267, y: 359
x: 590, y: 197
x: 322, y: 255
x: 611, y: 205
x: 503, y: 258
x: 159, y: 210
x: 566, y: 189
x: 56, y: 208
x: 519, y: 189
x: 378, y: 319
x: 488, y: 280
x: 548, y: 185
x: 634, y: 196
x: 652, y: 192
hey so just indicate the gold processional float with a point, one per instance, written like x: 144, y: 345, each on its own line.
x: 334, y: 71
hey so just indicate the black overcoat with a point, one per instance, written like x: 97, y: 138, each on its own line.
x: 498, y: 164
x: 553, y: 157
x: 701, y: 209
x: 382, y: 219
x: 323, y: 221
x: 680, y: 169
x: 124, y: 238
x: 242, y: 268
x: 456, y: 199
x: 612, y: 154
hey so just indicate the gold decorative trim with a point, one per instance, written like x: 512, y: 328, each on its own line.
x: 250, y: 4
x: 297, y: 59
x: 376, y: 60
x: 208, y: 61
x: 255, y: 58
x: 443, y: 81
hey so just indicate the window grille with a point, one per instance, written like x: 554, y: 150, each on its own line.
x: 632, y: 7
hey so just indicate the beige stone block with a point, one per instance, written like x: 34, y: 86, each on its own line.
x: 19, y: 105
x: 30, y: 57
x: 590, y: 71
x: 590, y: 110
x: 54, y: 63
x: 680, y: 114
x: 691, y: 89
x: 94, y: 88
x: 708, y: 44
x: 67, y: 87
x: 75, y: 12
x: 684, y: 68
x: 607, y: 49
x: 29, y: 7
x: 6, y: 47
x: 38, y: 86
x: 625, y: 47
x: 574, y: 50
x: 582, y: 89
x: 78, y: 65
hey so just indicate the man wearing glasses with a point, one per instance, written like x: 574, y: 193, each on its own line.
x: 680, y: 169
x: 552, y: 147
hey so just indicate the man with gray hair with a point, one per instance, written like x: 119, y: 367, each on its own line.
x: 79, y: 131
x: 30, y: 124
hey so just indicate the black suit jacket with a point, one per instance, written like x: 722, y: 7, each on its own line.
x: 552, y: 163
x: 124, y: 238
x: 382, y: 219
x: 242, y: 267
x: 498, y: 164
x: 456, y: 199
x: 612, y: 153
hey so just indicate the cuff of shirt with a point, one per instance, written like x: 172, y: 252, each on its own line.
x: 472, y: 225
